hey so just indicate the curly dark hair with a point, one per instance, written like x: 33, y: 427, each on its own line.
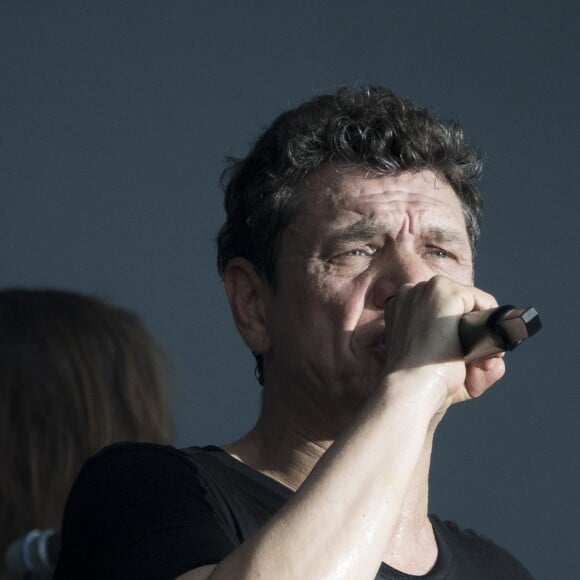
x: 369, y: 127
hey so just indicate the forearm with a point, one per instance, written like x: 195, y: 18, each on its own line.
x: 340, y: 521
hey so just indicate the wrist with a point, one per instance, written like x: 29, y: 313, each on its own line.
x: 421, y: 390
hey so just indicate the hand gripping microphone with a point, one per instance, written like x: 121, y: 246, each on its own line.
x: 487, y: 332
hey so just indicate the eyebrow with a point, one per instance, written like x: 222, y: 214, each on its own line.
x: 363, y: 229
x: 449, y: 235
x: 452, y: 239
x: 367, y: 228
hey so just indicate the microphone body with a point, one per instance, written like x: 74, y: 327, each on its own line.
x: 485, y: 333
x: 34, y: 556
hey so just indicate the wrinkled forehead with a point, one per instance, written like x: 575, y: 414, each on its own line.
x: 331, y: 189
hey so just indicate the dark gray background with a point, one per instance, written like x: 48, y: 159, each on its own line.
x: 116, y: 118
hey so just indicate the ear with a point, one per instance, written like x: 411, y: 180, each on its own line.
x: 246, y: 293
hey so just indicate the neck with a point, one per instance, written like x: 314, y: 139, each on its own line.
x: 286, y: 448
x: 413, y: 548
x: 281, y: 450
x: 285, y: 455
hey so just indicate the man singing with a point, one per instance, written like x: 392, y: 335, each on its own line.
x: 347, y: 258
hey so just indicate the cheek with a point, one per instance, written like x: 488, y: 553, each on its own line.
x: 344, y: 300
x: 317, y: 306
x: 464, y: 274
x: 460, y: 272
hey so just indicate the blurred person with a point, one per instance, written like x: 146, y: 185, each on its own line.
x: 347, y: 258
x: 76, y: 374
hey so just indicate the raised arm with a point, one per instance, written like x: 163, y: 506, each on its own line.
x: 341, y: 520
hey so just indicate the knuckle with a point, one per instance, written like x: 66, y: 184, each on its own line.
x: 438, y: 284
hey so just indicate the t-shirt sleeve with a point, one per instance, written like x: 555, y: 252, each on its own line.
x: 477, y: 556
x: 139, y: 511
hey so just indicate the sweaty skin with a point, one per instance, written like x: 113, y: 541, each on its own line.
x: 361, y: 361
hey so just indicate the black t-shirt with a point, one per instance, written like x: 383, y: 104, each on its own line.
x: 152, y: 512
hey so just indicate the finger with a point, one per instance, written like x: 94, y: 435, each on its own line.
x: 482, y: 375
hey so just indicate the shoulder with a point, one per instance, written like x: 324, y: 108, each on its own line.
x: 129, y: 502
x: 460, y: 536
x: 472, y: 550
x: 121, y: 469
x: 119, y: 455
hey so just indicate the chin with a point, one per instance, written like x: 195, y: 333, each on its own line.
x: 363, y: 383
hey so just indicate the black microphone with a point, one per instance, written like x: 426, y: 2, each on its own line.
x: 487, y: 332
x: 34, y: 555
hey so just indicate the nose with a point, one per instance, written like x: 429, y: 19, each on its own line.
x: 401, y: 267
